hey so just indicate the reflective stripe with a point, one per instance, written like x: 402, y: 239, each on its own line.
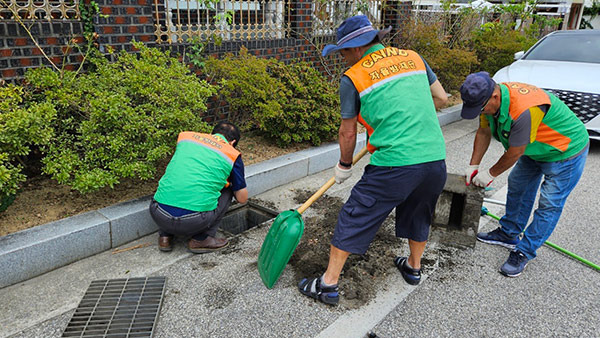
x: 383, y: 82
x: 355, y: 33
x: 212, y: 142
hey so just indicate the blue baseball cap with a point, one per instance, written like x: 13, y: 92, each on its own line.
x: 475, y: 91
x: 356, y: 31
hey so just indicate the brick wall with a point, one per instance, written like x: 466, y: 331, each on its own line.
x: 127, y: 20
x: 18, y: 52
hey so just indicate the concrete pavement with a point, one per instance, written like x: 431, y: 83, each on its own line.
x: 221, y: 295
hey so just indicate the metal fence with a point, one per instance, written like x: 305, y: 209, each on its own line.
x: 182, y: 20
x: 328, y: 14
x: 39, y: 10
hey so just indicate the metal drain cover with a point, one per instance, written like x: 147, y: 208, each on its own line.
x: 127, y: 307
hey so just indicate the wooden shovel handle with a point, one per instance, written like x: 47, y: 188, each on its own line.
x: 329, y: 183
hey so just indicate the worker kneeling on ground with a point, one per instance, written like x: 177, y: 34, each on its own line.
x: 545, y: 139
x: 205, y: 172
x: 394, y: 94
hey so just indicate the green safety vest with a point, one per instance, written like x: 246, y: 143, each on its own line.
x: 560, y: 134
x: 197, y: 172
x: 396, y: 107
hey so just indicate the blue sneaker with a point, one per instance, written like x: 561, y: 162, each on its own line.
x: 498, y: 237
x: 515, y: 264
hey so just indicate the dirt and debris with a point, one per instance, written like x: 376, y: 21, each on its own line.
x: 362, y: 274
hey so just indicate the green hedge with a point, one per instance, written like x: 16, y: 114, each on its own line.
x: 287, y: 103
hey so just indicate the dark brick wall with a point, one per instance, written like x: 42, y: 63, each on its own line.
x: 127, y: 20
x: 18, y: 52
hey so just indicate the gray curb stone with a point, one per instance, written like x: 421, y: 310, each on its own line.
x: 32, y: 252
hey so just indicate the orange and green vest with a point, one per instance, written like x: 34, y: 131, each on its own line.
x: 559, y: 135
x: 396, y: 107
x: 197, y: 172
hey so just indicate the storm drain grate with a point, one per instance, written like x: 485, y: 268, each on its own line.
x: 125, y: 307
x: 585, y: 105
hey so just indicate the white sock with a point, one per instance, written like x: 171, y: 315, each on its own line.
x: 325, y: 284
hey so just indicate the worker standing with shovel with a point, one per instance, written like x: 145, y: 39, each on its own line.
x: 394, y: 94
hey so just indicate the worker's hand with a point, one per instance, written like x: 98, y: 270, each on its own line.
x: 342, y: 174
x: 483, y: 178
x: 470, y: 173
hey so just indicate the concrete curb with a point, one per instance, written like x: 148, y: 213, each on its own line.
x: 32, y: 252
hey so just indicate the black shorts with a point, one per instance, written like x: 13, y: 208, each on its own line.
x: 413, y: 190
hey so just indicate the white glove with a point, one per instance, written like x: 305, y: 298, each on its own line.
x: 483, y: 179
x: 470, y: 173
x: 341, y: 174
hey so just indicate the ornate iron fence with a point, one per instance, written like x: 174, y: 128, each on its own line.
x: 181, y: 20
x: 39, y: 10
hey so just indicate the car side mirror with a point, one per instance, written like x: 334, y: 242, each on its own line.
x: 519, y: 55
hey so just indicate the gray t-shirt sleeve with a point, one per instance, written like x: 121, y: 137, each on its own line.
x: 521, y: 128
x: 349, y: 98
x: 430, y: 74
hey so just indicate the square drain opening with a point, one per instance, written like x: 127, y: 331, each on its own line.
x: 241, y: 217
x: 126, y: 307
x: 457, y: 207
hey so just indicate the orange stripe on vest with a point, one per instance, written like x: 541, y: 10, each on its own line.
x: 524, y: 96
x: 383, y: 64
x: 550, y: 136
x: 211, y: 141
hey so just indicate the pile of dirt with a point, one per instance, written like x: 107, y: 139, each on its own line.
x: 362, y: 274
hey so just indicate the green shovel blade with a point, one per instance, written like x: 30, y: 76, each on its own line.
x: 279, y: 245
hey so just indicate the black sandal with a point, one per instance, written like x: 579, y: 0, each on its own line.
x: 410, y: 275
x: 313, y: 288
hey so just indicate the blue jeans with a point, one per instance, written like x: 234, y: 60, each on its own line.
x: 559, y: 180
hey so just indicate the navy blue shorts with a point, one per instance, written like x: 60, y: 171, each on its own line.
x: 413, y: 190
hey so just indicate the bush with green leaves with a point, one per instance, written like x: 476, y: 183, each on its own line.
x: 288, y: 103
x: 451, y: 65
x: 310, y: 111
x: 23, y: 125
x: 119, y: 119
x: 495, y: 45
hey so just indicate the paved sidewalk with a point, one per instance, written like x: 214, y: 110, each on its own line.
x: 221, y: 294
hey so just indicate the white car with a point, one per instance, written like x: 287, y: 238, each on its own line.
x: 566, y: 63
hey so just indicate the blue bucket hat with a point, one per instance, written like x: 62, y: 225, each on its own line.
x: 356, y: 31
x: 475, y: 92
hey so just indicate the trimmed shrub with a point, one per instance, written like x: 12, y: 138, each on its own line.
x: 287, y: 103
x: 119, y: 119
x: 310, y: 111
x: 495, y: 45
x: 247, y: 87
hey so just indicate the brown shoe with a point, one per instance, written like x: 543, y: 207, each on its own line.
x: 210, y: 244
x: 164, y: 243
